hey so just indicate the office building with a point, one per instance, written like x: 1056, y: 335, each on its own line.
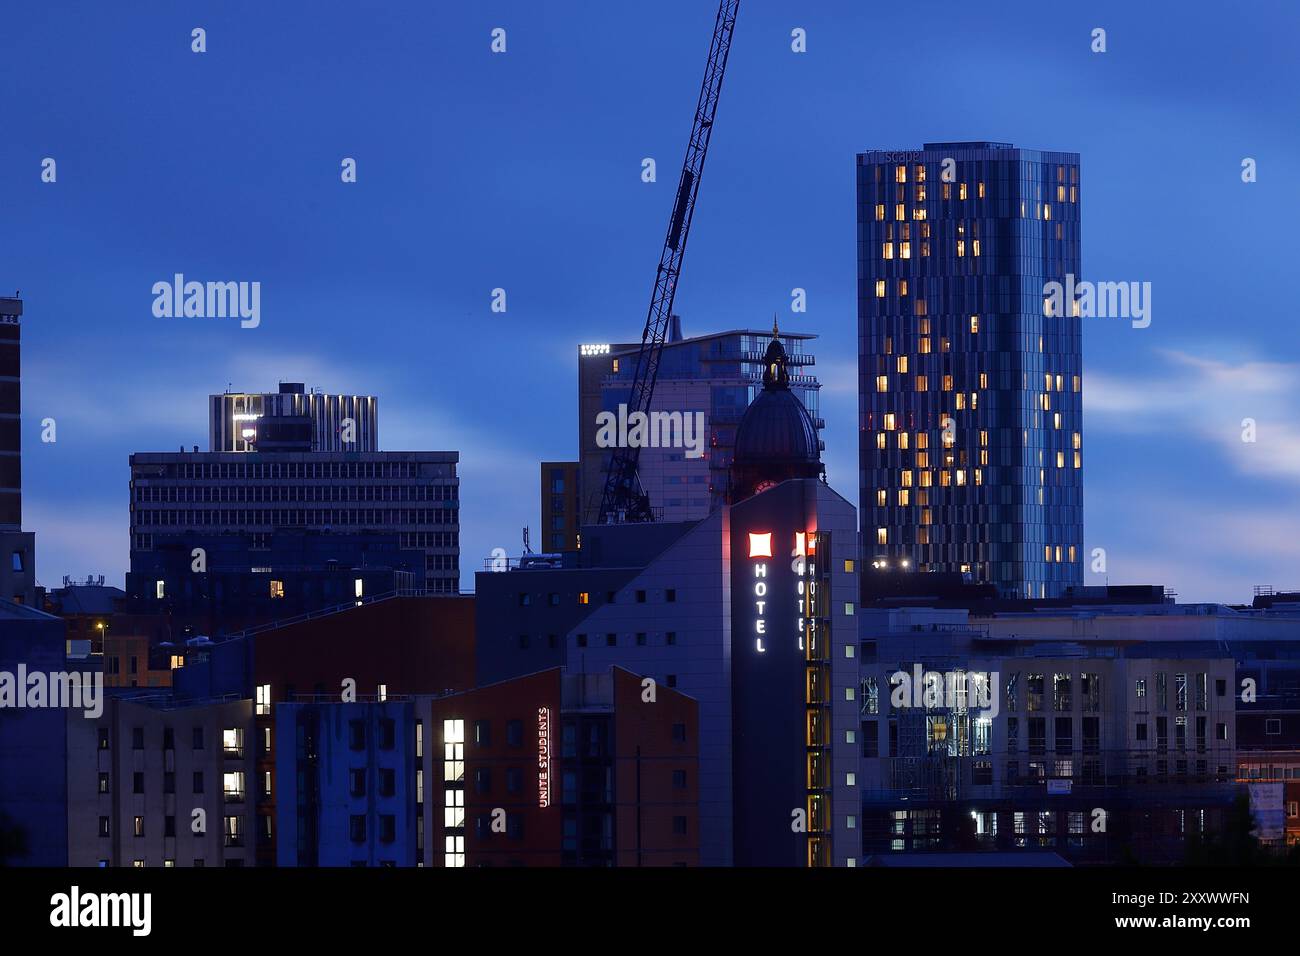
x: 561, y: 496
x: 971, y: 396
x: 715, y: 375
x: 411, y: 495
x: 246, y: 580
x: 292, y: 419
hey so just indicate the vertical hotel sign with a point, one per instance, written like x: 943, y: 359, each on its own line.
x: 802, y: 555
x: 543, y: 756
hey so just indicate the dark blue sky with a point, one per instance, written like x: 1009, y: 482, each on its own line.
x: 522, y: 171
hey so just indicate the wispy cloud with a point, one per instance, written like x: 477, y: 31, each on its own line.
x: 1209, y: 400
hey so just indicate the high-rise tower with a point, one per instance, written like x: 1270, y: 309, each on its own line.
x: 970, y: 395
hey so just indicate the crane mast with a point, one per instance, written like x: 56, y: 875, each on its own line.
x: 623, y: 499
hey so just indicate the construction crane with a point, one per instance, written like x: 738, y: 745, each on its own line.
x: 623, y: 499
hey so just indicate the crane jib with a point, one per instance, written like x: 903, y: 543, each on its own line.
x: 679, y: 211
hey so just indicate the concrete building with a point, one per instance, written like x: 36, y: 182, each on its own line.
x: 411, y: 495
x: 216, y: 584
x: 1055, y: 712
x: 159, y: 782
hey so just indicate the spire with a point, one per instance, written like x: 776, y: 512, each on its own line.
x: 775, y: 371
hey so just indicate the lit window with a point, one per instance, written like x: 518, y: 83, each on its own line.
x: 905, y: 250
x: 974, y: 324
x: 902, y: 364
x: 882, y: 383
x: 900, y: 211
x: 277, y: 589
x: 880, y: 211
x: 160, y: 589
x: 882, y: 536
x: 880, y: 288
x: 584, y: 597
x: 900, y: 174
x: 881, y: 499
x: 889, y: 422
x: 880, y: 440
x: 961, y: 191
x: 961, y: 248
x: 887, y: 250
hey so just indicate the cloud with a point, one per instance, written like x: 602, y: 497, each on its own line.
x: 1214, y: 401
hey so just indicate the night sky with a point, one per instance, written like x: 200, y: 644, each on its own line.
x: 522, y: 171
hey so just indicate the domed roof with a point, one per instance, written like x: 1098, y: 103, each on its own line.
x: 776, y: 439
x: 776, y: 428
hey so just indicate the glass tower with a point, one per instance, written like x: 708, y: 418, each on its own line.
x: 970, y: 393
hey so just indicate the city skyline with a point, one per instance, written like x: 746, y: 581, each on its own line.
x: 536, y: 199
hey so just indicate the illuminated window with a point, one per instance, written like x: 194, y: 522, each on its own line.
x: 947, y: 190
x: 882, y: 536
x: 1060, y: 194
x: 263, y: 700
x: 984, y: 379
x: 889, y: 422
x: 922, y: 440
x: 902, y: 364
x: 961, y: 477
x: 1078, y: 460
x: 848, y: 568
x: 926, y: 479
x: 923, y: 345
x: 974, y: 247
x: 880, y: 211
x: 981, y: 195
x: 900, y: 174
x: 961, y: 191
x: 961, y: 248
x: 902, y: 440
x: 1060, y: 459
x: 1056, y: 419
x: 615, y: 365
x: 880, y: 440
x: 1047, y: 210
x: 159, y: 589
x: 887, y: 250
x: 904, y: 497
x: 927, y: 517
x: 919, y: 173
x: 1078, y: 441
x: 882, y: 383
x: 974, y: 324
x: 905, y: 250
x: 947, y: 383
x: 922, y: 459
x: 906, y: 479
x: 880, y: 288
x: 902, y: 287
x: 881, y: 497
x: 961, y: 400
x: 277, y: 589
x: 900, y: 211
x: 584, y: 597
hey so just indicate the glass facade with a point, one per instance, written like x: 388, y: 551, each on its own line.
x: 970, y: 395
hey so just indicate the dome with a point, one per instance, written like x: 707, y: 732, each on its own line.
x: 776, y: 438
x: 776, y: 428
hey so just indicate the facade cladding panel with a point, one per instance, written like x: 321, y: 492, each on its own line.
x: 971, y: 396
